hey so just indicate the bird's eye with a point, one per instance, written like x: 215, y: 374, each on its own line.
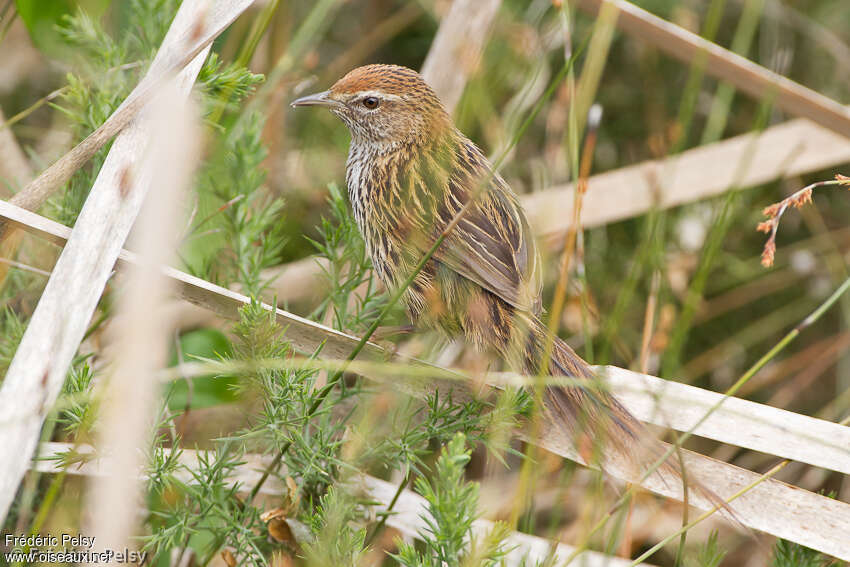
x: 370, y: 102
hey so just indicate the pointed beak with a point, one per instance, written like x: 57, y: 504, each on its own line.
x: 319, y: 99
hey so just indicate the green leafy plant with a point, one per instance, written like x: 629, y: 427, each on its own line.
x: 709, y: 554
x: 353, y: 298
x: 452, y: 502
x: 790, y: 554
x: 43, y: 16
x: 337, y: 542
x: 205, y: 509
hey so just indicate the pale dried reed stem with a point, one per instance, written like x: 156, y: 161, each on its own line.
x: 57, y: 326
x: 456, y: 50
x: 141, y: 329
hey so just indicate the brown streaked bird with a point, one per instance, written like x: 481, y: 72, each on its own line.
x: 409, y: 172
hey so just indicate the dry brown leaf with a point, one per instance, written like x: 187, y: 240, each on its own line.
x: 280, y: 530
x: 227, y: 555
x: 275, y: 520
x: 293, y: 497
x: 270, y: 515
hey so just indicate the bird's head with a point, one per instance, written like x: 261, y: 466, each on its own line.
x: 384, y: 105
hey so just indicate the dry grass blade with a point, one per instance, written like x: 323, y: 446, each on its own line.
x: 14, y: 168
x: 15, y: 171
x: 141, y: 325
x: 456, y: 50
x: 737, y: 422
x: 661, y: 402
x: 773, y: 507
x: 747, y: 76
x: 58, y: 323
x: 304, y: 334
x: 794, y: 148
x: 180, y: 47
x: 406, y: 517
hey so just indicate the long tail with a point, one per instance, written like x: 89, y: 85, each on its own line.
x: 597, y: 424
x: 600, y: 428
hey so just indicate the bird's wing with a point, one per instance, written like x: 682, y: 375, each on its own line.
x: 492, y: 245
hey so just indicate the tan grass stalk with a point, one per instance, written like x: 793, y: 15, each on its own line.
x: 59, y: 321
x: 141, y: 325
x: 15, y: 169
x: 456, y: 50
x: 654, y: 400
x: 790, y: 149
x: 737, y: 422
x: 723, y: 64
x: 181, y: 46
x: 180, y: 49
x: 648, y: 324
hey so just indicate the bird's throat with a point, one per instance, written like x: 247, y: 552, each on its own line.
x: 396, y: 196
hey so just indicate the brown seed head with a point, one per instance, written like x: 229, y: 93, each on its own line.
x: 384, y: 104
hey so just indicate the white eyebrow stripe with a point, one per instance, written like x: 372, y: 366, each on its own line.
x: 378, y: 94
